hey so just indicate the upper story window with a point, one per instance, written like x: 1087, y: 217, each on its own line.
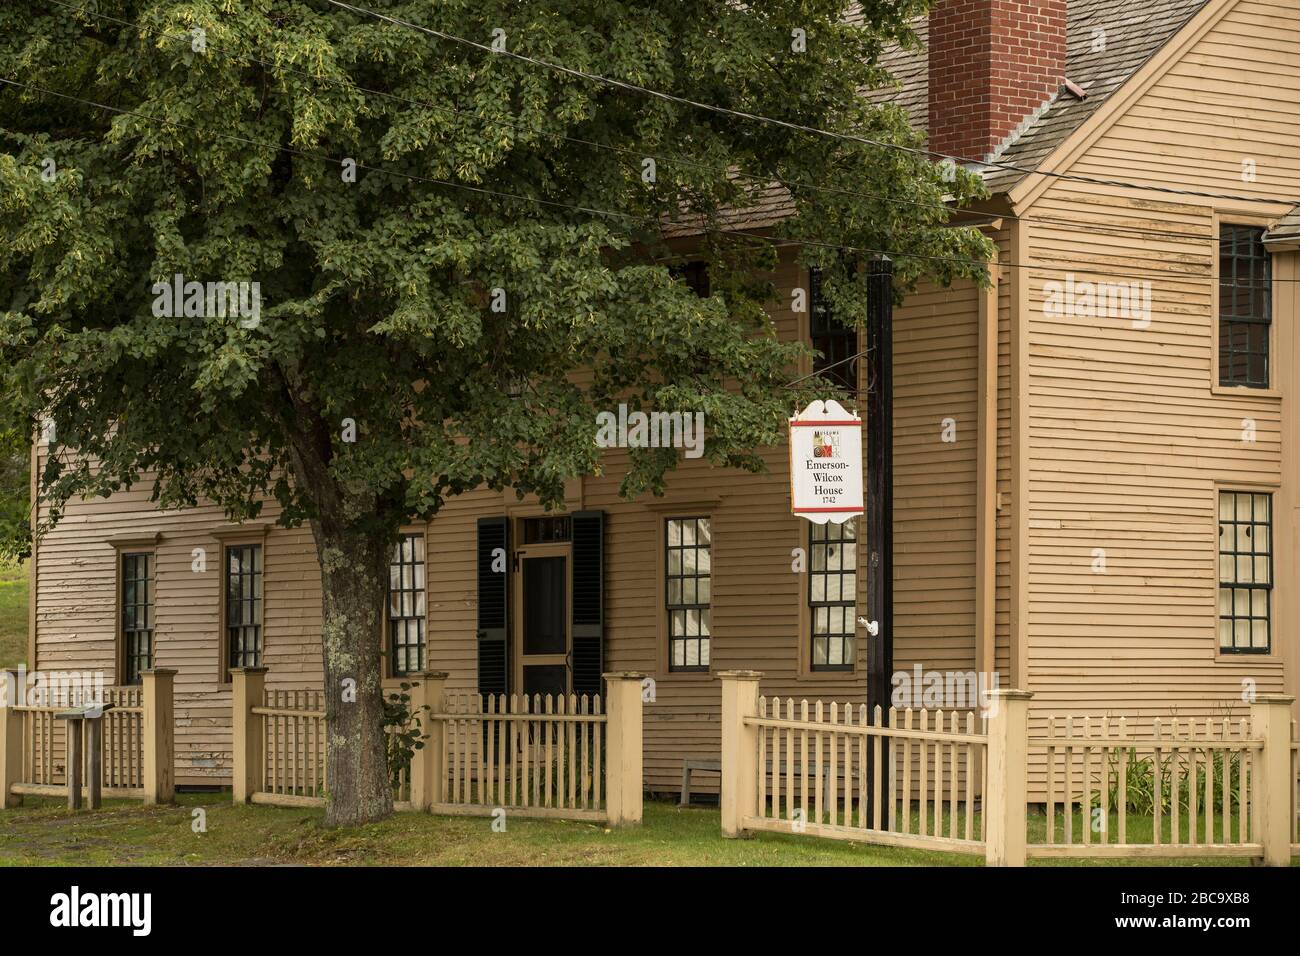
x: 243, y: 572
x: 1245, y: 572
x: 137, y: 598
x: 832, y: 594
x: 689, y: 593
x: 836, y: 343
x: 695, y: 274
x: 406, y: 605
x: 1245, y: 307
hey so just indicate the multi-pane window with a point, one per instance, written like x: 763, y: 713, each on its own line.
x: 244, y: 605
x: 832, y: 590
x: 547, y: 529
x: 406, y: 597
x: 836, y: 343
x: 690, y: 569
x: 1245, y: 571
x: 1245, y: 307
x: 137, y: 616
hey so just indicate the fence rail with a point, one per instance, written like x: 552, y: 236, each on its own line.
x: 902, y: 777
x: 45, y: 744
x: 538, y: 756
x: 1185, y: 788
x: 293, y: 747
x: 571, y: 757
x: 136, y: 737
x: 933, y: 780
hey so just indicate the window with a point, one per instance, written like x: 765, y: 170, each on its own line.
x: 1245, y: 572
x: 244, y: 605
x: 546, y: 529
x: 137, y: 615
x: 406, y: 610
x: 832, y: 594
x: 1245, y: 307
x: 695, y: 275
x: 836, y: 343
x: 689, y: 582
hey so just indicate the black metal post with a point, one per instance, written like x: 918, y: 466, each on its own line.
x: 880, y: 503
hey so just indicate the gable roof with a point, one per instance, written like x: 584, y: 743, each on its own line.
x: 1132, y: 30
x: 1135, y: 30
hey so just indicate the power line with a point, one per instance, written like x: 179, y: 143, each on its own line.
x: 742, y: 114
x: 656, y: 222
x: 669, y: 159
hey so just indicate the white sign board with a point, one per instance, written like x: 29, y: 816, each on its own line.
x: 826, y: 463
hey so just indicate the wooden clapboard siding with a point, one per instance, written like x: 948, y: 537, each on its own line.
x: 936, y: 361
x: 757, y: 597
x: 1127, y: 440
x: 759, y: 618
x: 76, y: 611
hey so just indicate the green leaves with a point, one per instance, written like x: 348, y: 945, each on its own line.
x: 378, y: 291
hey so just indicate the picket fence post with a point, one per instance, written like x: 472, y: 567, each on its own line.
x: 426, y: 762
x: 159, y: 764
x: 1271, y: 783
x: 11, y: 738
x: 623, y: 737
x: 1006, y: 786
x: 247, y: 734
x: 739, y: 797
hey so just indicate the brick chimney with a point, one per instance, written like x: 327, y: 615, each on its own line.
x: 992, y: 63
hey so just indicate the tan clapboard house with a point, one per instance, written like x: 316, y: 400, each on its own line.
x: 1095, y: 479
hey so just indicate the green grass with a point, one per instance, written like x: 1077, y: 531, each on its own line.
x: 44, y: 833
x: 13, y: 614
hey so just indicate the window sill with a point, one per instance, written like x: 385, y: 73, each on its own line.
x: 1244, y: 391
x: 807, y: 674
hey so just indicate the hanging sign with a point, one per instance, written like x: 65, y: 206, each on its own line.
x: 826, y: 463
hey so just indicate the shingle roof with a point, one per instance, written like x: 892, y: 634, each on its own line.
x: 1285, y: 229
x: 1132, y: 31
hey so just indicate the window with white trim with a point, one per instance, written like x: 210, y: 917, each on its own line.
x: 1245, y: 572
x: 832, y: 594
x: 689, y: 594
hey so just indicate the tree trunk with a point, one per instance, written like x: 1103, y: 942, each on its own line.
x: 354, y: 572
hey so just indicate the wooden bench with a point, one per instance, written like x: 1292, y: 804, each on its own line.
x: 691, y: 764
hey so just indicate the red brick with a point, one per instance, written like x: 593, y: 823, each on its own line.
x: 992, y: 63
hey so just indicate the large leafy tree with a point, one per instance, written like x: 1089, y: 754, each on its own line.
x: 15, y: 504
x: 219, y: 155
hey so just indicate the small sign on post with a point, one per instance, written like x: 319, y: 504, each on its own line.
x: 826, y: 463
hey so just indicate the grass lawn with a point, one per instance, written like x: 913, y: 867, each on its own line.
x: 13, y: 614
x: 44, y: 833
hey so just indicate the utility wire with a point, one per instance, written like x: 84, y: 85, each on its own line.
x: 664, y: 158
x: 756, y: 117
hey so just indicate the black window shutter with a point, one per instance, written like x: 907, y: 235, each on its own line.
x: 493, y: 606
x: 588, y: 602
